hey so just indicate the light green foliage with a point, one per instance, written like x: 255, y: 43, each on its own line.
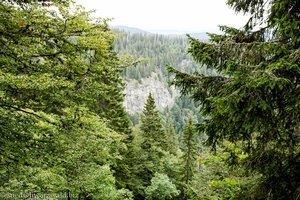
x: 76, y: 162
x: 161, y: 188
x: 99, y: 183
x: 62, y: 122
x: 34, y: 180
x: 215, y: 178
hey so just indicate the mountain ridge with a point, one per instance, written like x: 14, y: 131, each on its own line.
x: 170, y: 33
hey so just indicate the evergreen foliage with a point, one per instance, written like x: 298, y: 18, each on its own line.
x: 151, y: 126
x: 152, y: 52
x: 183, y: 107
x: 172, y: 140
x: 153, y: 141
x: 156, y: 51
x: 65, y: 132
x: 155, y: 151
x: 189, y: 156
x: 254, y: 99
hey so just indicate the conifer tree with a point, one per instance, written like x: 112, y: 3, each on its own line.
x: 148, y: 161
x: 151, y: 126
x: 172, y: 143
x: 254, y: 98
x: 189, y: 149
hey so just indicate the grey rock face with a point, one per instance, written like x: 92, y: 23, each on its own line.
x: 136, y: 94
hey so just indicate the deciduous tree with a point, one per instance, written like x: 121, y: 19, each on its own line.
x: 61, y: 112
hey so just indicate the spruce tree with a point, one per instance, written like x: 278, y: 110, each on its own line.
x: 254, y: 97
x: 148, y: 159
x: 189, y: 149
x: 172, y: 143
x: 151, y: 127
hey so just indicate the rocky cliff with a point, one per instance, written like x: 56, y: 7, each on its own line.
x: 137, y: 92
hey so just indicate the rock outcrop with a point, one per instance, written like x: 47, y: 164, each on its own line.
x: 137, y: 92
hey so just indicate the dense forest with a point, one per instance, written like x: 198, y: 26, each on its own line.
x: 153, y: 52
x: 65, y: 133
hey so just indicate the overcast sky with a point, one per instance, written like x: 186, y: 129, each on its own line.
x: 180, y: 15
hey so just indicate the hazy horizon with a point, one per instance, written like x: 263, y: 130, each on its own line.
x: 161, y: 31
x: 168, y: 15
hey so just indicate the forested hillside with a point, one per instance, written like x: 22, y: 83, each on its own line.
x: 66, y: 134
x: 154, y: 52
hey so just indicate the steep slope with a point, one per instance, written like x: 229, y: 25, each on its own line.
x: 137, y: 92
x: 157, y: 51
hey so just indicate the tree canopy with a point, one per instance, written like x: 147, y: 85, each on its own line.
x: 64, y: 132
x: 62, y: 122
x: 254, y: 98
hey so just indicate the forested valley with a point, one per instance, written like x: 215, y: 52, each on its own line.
x: 92, y: 112
x: 152, y: 52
